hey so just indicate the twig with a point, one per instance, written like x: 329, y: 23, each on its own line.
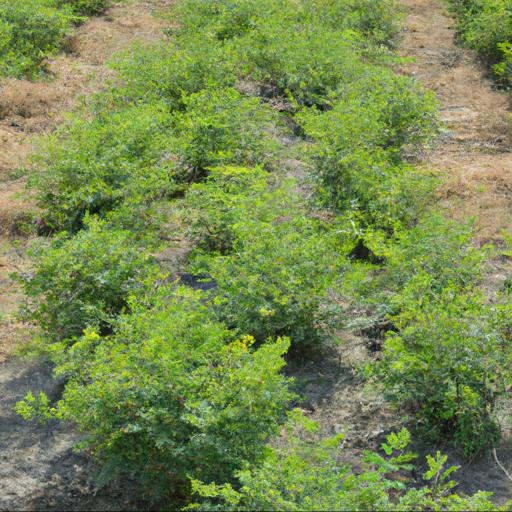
x: 500, y: 465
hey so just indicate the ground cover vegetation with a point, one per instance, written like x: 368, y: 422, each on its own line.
x: 33, y: 30
x: 486, y: 26
x: 271, y: 139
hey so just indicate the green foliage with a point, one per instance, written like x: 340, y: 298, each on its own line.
x: 303, y: 475
x: 168, y: 72
x: 36, y: 408
x: 212, y: 208
x: 221, y: 127
x: 85, y: 280
x: 30, y: 30
x: 446, y: 357
x: 305, y: 61
x: 486, y: 26
x: 357, y: 147
x: 376, y: 20
x: 87, y: 7
x: 172, y: 395
x: 306, y: 49
x: 93, y: 165
x: 437, y: 247
x: 164, y: 380
x: 227, y: 19
x: 450, y: 361
x: 279, y: 262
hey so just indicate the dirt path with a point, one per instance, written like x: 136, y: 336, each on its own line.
x: 475, y: 154
x: 38, y: 469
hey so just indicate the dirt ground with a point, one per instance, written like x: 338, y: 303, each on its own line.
x: 476, y: 152
x: 38, y: 468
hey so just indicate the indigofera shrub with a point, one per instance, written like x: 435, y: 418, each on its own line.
x: 84, y: 281
x: 222, y: 127
x: 173, y: 395
x: 443, y: 355
x: 228, y: 19
x: 168, y: 72
x: 486, y: 26
x: 357, y: 147
x: 275, y: 277
x: 378, y: 21
x: 87, y: 7
x: 449, y: 362
x: 213, y: 207
x: 303, y: 61
x: 304, y: 474
x: 30, y: 30
x: 93, y: 165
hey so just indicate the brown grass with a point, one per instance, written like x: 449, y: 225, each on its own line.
x: 475, y: 152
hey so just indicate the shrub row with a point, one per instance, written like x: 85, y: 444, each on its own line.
x: 194, y: 143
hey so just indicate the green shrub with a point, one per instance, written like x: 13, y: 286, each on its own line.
x: 171, y: 395
x: 285, y: 44
x: 376, y: 20
x: 212, y: 208
x: 438, y: 246
x: 504, y: 68
x: 222, y: 127
x: 310, y: 63
x: 275, y: 279
x: 357, y: 147
x: 444, y: 353
x: 449, y: 363
x: 30, y: 30
x: 169, y: 72
x: 300, y: 474
x: 86, y: 7
x: 84, y: 281
x: 93, y: 165
x: 227, y: 19
x: 144, y: 152
x: 381, y: 285
x: 486, y: 26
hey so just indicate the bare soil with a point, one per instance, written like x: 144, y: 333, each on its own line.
x: 475, y: 154
x: 38, y: 467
